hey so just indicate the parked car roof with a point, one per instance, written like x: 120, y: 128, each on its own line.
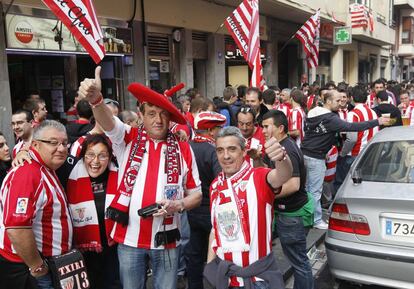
x: 394, y: 134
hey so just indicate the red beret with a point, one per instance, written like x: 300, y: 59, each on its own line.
x: 208, y: 119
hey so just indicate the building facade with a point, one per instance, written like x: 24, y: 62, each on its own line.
x: 161, y: 43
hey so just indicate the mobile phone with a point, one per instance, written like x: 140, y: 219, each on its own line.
x: 150, y: 210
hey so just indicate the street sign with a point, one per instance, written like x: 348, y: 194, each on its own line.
x: 342, y: 35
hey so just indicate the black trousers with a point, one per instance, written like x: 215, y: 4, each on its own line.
x: 196, y: 251
x: 15, y: 275
x: 103, y: 268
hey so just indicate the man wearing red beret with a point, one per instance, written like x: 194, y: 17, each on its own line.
x: 155, y: 168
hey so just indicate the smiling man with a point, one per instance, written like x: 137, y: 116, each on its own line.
x: 34, y: 217
x: 154, y: 167
x: 241, y: 213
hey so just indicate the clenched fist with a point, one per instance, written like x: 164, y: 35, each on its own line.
x: 274, y: 150
x: 90, y: 89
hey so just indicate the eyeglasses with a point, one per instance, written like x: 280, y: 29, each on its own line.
x: 245, y: 109
x: 54, y: 143
x: 101, y: 157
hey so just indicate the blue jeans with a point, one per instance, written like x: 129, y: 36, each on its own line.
x: 292, y: 235
x: 133, y: 264
x: 256, y: 285
x: 342, y: 168
x: 45, y: 282
x: 315, y: 173
x: 185, y: 239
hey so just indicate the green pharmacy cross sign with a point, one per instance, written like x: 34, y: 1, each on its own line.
x: 342, y: 35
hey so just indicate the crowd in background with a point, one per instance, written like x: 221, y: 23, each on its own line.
x: 323, y: 129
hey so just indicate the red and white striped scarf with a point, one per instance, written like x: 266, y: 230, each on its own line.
x: 83, y: 209
x: 119, y: 208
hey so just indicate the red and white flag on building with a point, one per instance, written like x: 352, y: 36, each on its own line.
x: 361, y: 16
x: 308, y: 35
x: 243, y: 25
x: 80, y: 18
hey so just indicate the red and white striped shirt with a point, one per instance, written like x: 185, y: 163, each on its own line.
x: 17, y: 148
x: 361, y: 113
x: 296, y: 121
x: 151, y: 186
x: 76, y: 147
x: 331, y: 158
x: 372, y: 101
x: 234, y: 241
x: 286, y: 108
x: 343, y: 113
x: 257, y: 142
x: 310, y: 100
x: 33, y: 198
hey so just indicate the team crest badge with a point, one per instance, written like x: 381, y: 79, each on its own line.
x: 67, y: 283
x: 81, y: 212
x: 131, y: 175
x: 21, y: 206
x: 229, y: 225
x: 171, y: 192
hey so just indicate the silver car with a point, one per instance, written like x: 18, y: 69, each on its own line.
x: 370, y: 239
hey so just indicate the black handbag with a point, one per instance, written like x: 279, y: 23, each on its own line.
x: 69, y: 271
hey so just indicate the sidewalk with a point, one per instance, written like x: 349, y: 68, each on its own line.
x: 316, y: 254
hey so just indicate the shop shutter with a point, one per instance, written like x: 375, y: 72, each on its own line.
x: 200, y: 45
x: 158, y: 45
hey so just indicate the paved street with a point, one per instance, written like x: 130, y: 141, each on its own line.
x: 326, y: 281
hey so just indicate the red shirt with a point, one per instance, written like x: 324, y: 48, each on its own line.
x: 33, y: 198
x: 256, y: 141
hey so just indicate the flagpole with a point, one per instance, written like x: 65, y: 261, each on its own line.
x: 287, y: 42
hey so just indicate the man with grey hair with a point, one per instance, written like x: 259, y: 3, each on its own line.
x: 242, y: 200
x: 285, y: 105
x: 34, y: 216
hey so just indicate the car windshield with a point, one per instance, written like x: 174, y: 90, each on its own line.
x: 388, y: 162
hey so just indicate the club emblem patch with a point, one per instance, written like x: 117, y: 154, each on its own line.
x: 229, y: 225
x: 131, y: 175
x: 171, y: 192
x: 21, y: 206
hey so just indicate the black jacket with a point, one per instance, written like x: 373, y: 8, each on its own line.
x: 389, y: 108
x: 321, y: 125
x: 76, y: 130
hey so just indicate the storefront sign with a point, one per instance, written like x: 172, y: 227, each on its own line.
x: 342, y: 35
x: 326, y: 31
x: 233, y: 52
x: 26, y: 32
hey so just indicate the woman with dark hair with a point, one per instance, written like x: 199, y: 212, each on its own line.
x: 297, y: 116
x: 90, y: 188
x: 5, y: 159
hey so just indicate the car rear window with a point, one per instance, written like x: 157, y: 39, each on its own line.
x: 388, y: 162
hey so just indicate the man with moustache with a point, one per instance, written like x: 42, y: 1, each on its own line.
x: 34, y: 216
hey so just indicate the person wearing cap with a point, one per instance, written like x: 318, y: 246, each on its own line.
x: 207, y: 125
x: 113, y: 105
x: 154, y: 167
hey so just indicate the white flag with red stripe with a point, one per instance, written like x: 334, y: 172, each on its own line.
x: 80, y: 18
x: 308, y: 35
x: 243, y: 25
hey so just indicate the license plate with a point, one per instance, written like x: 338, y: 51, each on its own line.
x: 399, y: 228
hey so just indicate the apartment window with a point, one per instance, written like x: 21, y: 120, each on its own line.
x: 407, y: 30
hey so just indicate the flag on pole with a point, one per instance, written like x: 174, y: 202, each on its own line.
x: 243, y: 25
x: 361, y: 16
x: 80, y: 18
x: 308, y: 35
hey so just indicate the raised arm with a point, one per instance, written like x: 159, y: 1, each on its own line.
x: 90, y: 89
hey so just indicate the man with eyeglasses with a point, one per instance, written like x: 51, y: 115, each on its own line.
x: 22, y: 127
x: 253, y: 134
x: 155, y: 170
x: 34, y: 216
